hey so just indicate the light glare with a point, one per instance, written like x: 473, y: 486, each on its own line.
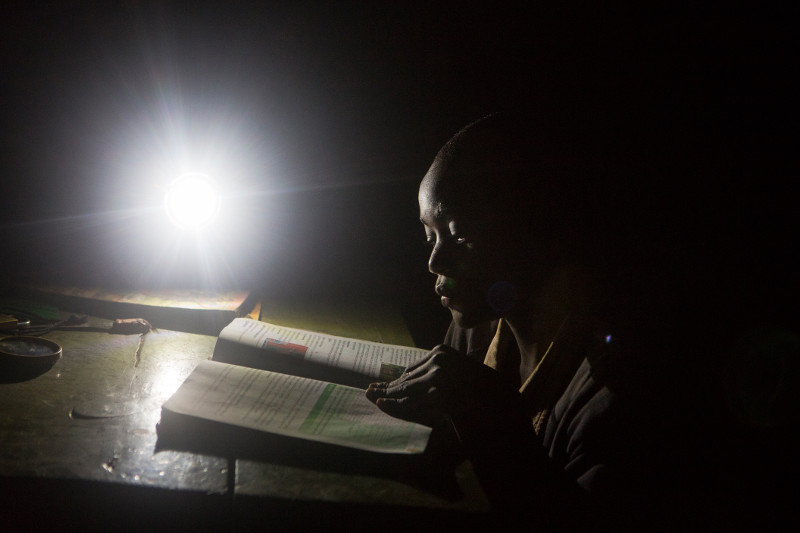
x: 192, y: 201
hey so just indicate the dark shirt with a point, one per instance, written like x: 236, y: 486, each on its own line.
x: 603, y: 436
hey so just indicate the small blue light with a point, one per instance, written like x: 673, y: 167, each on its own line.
x: 608, y: 339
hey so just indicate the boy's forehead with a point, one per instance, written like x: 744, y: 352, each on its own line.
x: 448, y: 186
x: 434, y: 201
x: 444, y: 199
x: 432, y: 210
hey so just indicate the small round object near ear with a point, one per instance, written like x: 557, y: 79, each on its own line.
x: 28, y: 353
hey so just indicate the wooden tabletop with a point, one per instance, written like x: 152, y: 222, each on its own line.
x: 92, y: 418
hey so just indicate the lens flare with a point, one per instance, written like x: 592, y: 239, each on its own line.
x: 192, y: 201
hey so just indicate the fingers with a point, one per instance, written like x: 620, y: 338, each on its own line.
x: 418, y: 369
x: 404, y: 387
x: 438, y: 354
x: 419, y: 409
x: 425, y: 360
x: 417, y: 382
x: 407, y: 402
x: 419, y: 393
x: 375, y: 391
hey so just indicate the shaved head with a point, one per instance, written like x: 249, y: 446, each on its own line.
x: 482, y: 163
x: 512, y: 174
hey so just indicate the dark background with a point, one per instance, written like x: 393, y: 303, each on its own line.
x: 325, y: 118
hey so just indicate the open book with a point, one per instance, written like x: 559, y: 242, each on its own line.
x: 343, y: 360
x: 284, y: 401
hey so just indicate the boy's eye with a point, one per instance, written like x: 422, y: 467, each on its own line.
x: 466, y: 242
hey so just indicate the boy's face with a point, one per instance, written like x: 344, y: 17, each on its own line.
x: 471, y: 253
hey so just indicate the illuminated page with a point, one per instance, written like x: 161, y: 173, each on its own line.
x: 382, y: 361
x: 294, y: 407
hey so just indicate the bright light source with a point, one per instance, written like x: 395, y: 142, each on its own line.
x: 192, y: 201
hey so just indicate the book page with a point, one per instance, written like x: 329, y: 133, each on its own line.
x: 295, y: 407
x: 381, y: 361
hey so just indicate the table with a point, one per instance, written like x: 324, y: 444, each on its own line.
x: 79, y: 447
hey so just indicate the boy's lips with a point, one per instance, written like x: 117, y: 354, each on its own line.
x: 448, y: 297
x: 444, y: 286
x: 443, y: 292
